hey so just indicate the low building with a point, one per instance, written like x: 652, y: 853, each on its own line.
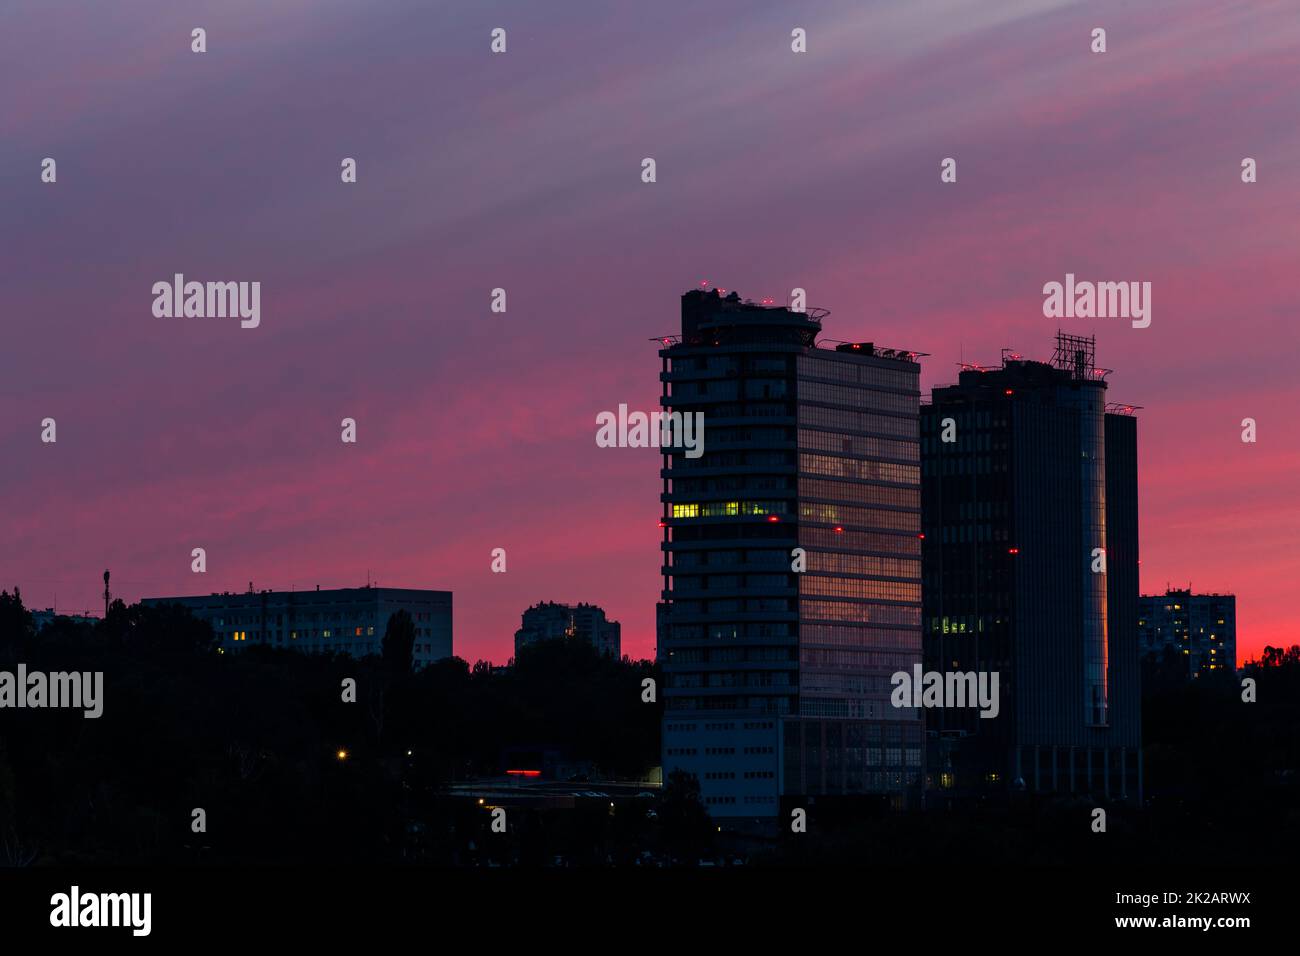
x: 549, y: 621
x: 1201, y: 628
x: 43, y: 619
x: 348, y: 621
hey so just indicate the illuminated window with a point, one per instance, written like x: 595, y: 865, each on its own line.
x: 358, y: 634
x: 370, y: 631
x: 325, y: 633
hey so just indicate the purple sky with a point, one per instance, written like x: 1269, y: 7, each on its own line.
x: 522, y: 170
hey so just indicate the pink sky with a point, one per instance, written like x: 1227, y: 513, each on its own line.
x: 775, y: 170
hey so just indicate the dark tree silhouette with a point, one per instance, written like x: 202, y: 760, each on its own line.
x: 399, y: 642
x: 687, y: 828
x: 15, y: 623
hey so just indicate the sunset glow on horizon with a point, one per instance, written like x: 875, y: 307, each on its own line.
x: 475, y: 429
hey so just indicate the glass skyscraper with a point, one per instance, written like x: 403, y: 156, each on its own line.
x: 791, y: 560
x: 1031, y: 571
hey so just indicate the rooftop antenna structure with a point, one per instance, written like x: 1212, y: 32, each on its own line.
x: 1076, y: 354
x: 106, y: 594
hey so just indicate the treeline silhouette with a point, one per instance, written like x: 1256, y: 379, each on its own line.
x: 285, y: 771
x: 264, y: 744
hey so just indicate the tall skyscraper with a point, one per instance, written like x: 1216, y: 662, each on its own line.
x: 777, y: 661
x: 549, y: 621
x: 1200, y: 628
x: 1031, y: 570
